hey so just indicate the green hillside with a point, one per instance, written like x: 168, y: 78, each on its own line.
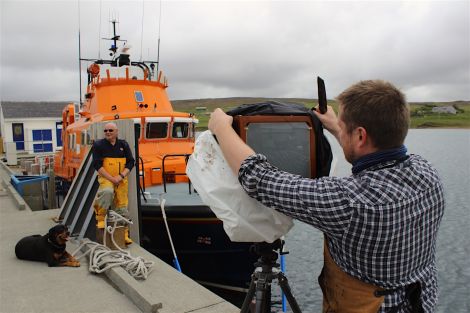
x: 421, y: 112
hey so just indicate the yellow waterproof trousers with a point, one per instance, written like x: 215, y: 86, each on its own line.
x: 110, y: 196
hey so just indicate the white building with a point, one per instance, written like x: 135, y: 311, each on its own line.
x: 34, y: 127
x: 446, y: 109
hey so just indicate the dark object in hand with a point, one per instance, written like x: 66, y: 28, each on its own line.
x: 322, y: 102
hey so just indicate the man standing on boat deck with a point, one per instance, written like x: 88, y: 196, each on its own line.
x: 380, y: 223
x: 113, y: 160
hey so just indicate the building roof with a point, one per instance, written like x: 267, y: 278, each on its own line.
x: 32, y: 109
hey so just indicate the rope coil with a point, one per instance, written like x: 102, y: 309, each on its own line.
x: 116, y: 219
x: 103, y: 258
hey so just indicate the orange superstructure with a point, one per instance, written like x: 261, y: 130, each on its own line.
x: 121, y: 89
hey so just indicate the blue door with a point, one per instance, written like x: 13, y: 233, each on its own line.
x: 18, y: 135
x: 58, y: 133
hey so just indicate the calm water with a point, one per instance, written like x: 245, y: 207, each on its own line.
x: 449, y: 151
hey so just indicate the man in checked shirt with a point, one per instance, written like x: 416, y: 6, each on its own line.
x: 380, y: 223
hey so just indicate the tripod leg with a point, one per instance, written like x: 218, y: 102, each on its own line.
x: 249, y: 296
x: 262, y: 302
x: 287, y: 291
x: 263, y: 293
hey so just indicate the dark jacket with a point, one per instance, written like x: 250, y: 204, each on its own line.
x: 102, y: 148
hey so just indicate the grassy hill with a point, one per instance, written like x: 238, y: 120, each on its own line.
x: 421, y: 112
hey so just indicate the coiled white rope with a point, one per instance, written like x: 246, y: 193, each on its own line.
x: 115, y: 218
x: 103, y: 258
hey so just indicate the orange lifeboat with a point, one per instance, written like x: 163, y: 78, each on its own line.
x: 126, y: 93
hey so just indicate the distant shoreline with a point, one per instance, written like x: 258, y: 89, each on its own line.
x: 441, y: 127
x: 422, y: 116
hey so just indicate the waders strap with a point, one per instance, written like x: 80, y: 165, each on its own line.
x: 412, y: 294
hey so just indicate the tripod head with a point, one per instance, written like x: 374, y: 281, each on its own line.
x: 268, y: 252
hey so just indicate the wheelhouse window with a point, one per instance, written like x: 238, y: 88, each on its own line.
x: 180, y: 130
x: 85, y: 138
x: 183, y: 127
x: 71, y: 142
x: 155, y: 130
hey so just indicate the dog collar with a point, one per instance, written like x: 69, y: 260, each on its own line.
x: 54, y: 244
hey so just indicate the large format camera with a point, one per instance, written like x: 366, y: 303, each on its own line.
x: 289, y: 135
x: 292, y: 139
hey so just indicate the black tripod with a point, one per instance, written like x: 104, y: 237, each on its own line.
x: 266, y: 270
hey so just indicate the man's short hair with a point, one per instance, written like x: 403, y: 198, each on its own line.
x: 380, y: 108
x: 111, y: 123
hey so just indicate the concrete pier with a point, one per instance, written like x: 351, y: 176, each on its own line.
x: 34, y: 287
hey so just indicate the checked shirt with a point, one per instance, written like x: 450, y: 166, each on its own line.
x: 381, y: 223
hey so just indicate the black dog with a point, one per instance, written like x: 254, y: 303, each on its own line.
x: 49, y: 248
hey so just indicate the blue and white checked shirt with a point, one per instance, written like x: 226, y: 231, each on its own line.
x: 381, y: 223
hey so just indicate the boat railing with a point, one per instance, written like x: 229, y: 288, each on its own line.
x: 165, y: 174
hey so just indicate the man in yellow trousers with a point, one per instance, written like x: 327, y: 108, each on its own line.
x: 113, y: 160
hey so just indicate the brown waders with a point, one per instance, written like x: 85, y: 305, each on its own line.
x: 343, y: 293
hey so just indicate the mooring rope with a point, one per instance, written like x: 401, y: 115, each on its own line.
x: 115, y: 218
x: 103, y: 258
x: 175, y: 260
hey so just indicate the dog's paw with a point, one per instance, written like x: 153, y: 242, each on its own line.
x: 71, y: 264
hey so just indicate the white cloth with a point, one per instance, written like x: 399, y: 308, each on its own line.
x: 244, y: 218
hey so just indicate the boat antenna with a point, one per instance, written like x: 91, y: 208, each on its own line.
x: 99, y: 36
x: 142, y: 31
x: 115, y: 37
x: 109, y: 24
x: 158, y: 44
x: 79, y: 56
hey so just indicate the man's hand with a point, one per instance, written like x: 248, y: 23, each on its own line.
x: 329, y: 120
x: 116, y: 179
x: 219, y: 120
x: 233, y: 148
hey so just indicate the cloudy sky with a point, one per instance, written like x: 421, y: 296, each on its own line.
x: 212, y: 49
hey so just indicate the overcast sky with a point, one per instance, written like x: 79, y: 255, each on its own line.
x: 212, y: 49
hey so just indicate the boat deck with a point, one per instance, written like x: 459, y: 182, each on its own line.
x: 176, y: 195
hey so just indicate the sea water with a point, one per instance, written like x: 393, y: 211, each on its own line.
x: 449, y: 151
